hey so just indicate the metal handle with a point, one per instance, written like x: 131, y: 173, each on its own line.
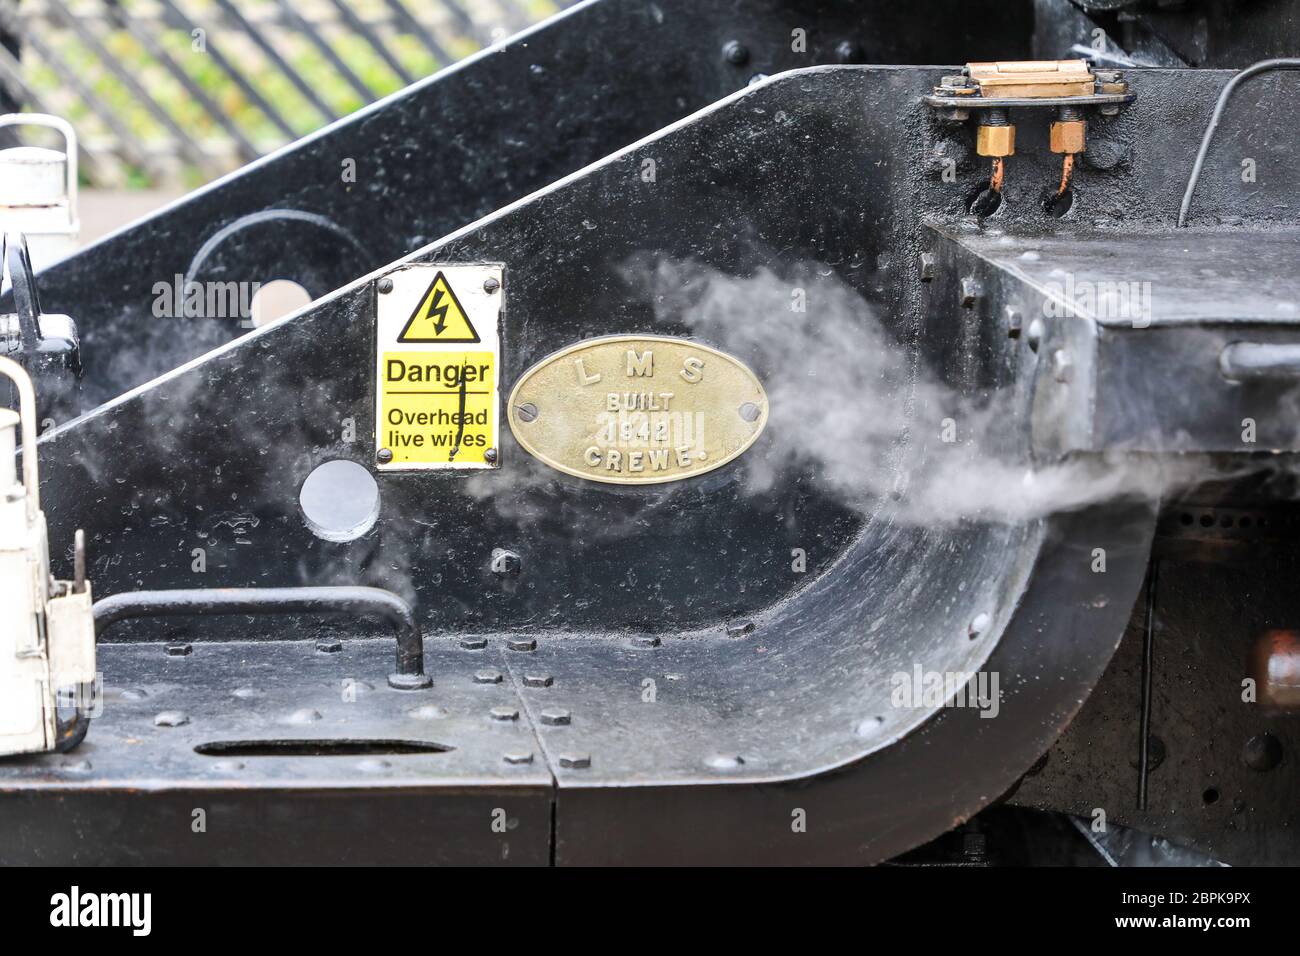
x: 355, y: 601
x: 22, y: 279
x: 70, y: 151
x: 1260, y: 361
x: 27, y: 410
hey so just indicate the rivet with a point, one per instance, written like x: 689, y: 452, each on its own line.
x: 504, y: 713
x: 971, y: 290
x: 179, y: 650
x: 646, y: 640
x: 1014, y: 320
x: 522, y: 644
x: 927, y: 266
x: 248, y: 693
x: 170, y: 718
x: 739, y: 628
x: 490, y: 456
x: 978, y: 625
x: 384, y: 456
x: 304, y: 716
x: 575, y: 761
x: 228, y: 766
x: 384, y: 285
x: 329, y: 647
x: 473, y: 643
x: 735, y: 53
x: 1034, y: 334
x: 428, y: 712
x: 869, y: 727
x: 725, y: 761
x: 1062, y: 366
x: 490, y: 285
x: 518, y: 757
x: 1262, y: 752
x: 556, y: 717
x: 487, y: 677
x: 373, y: 765
x: 538, y: 680
x: 134, y: 693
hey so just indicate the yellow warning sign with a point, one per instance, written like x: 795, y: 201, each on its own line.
x: 437, y: 393
x: 438, y: 408
x: 439, y: 317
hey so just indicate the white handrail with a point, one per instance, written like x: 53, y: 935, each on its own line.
x: 70, y: 147
x: 27, y: 409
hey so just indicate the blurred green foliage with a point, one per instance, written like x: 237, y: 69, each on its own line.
x: 151, y: 138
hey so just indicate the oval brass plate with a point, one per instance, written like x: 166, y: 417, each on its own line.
x: 637, y: 409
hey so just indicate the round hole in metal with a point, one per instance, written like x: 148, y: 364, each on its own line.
x: 277, y: 299
x: 339, y: 500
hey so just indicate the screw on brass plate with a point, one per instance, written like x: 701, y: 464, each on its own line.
x: 490, y: 285
x: 527, y: 412
x: 385, y: 285
x: 749, y: 412
x: 384, y: 456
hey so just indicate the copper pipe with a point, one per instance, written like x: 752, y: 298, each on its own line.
x: 1067, y: 170
x: 999, y: 171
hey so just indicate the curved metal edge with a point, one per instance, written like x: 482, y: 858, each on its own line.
x: 943, y: 773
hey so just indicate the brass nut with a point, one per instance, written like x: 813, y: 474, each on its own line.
x: 996, y: 141
x: 1068, y: 136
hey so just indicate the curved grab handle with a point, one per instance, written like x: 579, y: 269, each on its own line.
x: 1260, y: 361
x: 70, y: 150
x: 352, y: 601
x: 27, y: 409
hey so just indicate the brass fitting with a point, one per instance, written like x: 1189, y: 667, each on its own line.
x: 996, y: 141
x: 1069, y: 136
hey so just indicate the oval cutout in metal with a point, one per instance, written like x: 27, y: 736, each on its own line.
x: 637, y: 409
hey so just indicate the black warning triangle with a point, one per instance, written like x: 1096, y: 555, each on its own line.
x: 439, y: 317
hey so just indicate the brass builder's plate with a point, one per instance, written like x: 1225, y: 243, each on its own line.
x: 637, y: 409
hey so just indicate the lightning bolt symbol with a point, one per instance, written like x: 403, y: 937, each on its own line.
x: 439, y: 312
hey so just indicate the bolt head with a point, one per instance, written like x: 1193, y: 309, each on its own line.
x: 927, y: 266
x: 1034, y: 334
x: 735, y: 53
x: 384, y: 456
x: 1062, y: 366
x: 491, y: 285
x: 490, y: 456
x: 384, y: 285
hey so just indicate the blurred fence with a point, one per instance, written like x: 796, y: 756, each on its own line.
x: 175, y: 92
